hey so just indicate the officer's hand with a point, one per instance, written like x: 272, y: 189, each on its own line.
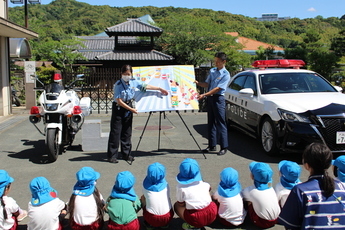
x: 163, y: 91
x: 200, y: 96
x: 134, y: 111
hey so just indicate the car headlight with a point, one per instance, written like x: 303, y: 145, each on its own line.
x: 291, y: 116
x: 52, y: 106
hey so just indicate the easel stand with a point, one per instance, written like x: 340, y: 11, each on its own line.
x: 160, y: 127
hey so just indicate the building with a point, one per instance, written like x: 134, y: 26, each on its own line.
x: 128, y: 42
x: 250, y: 46
x: 271, y: 17
x: 8, y: 30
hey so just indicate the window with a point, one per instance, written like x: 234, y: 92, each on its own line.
x: 238, y: 83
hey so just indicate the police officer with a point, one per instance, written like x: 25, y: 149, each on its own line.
x: 216, y: 82
x: 122, y: 114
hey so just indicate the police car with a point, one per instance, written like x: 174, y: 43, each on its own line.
x: 286, y: 107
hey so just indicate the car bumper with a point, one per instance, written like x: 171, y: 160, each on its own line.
x: 294, y: 137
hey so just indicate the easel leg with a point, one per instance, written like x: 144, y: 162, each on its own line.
x: 141, y: 136
x: 189, y: 132
x: 160, y: 127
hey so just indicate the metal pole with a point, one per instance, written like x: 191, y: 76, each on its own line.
x: 26, y: 13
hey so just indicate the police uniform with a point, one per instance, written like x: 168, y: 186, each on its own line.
x: 217, y: 129
x: 121, y: 119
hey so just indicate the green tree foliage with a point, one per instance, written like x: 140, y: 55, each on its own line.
x: 338, y: 44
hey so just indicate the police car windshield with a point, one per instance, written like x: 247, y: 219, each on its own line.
x: 275, y: 83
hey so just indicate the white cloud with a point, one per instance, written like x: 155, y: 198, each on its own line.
x: 312, y: 9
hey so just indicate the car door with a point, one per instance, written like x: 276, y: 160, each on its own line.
x: 232, y: 98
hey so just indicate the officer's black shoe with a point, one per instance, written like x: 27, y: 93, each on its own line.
x: 209, y: 149
x: 113, y: 160
x: 222, y: 152
x: 128, y: 158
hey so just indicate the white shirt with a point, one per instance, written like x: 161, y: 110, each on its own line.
x: 196, y: 194
x: 282, y: 193
x: 45, y: 216
x: 231, y: 208
x: 158, y: 203
x: 265, y: 202
x: 85, y: 209
x: 11, y: 206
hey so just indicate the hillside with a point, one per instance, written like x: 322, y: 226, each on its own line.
x: 62, y: 18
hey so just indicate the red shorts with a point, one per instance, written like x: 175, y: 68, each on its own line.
x: 15, y: 225
x: 201, y: 217
x: 158, y: 220
x: 134, y: 225
x: 258, y: 221
x: 97, y: 225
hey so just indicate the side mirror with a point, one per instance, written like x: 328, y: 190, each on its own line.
x: 338, y: 88
x: 246, y: 92
x: 80, y: 77
x: 33, y: 77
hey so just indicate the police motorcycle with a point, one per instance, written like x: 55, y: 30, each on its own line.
x: 62, y: 113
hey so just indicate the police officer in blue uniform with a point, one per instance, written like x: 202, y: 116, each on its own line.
x: 122, y: 114
x: 216, y: 82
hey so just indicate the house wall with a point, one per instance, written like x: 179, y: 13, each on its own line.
x: 5, y: 105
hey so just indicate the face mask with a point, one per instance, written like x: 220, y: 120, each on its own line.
x: 126, y: 78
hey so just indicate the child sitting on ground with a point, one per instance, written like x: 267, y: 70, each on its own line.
x: 289, y: 176
x: 261, y: 200
x: 86, y: 203
x: 10, y: 212
x: 45, y: 209
x: 123, y: 204
x: 228, y: 198
x: 194, y: 204
x: 156, y: 203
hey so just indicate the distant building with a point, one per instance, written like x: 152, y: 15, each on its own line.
x: 250, y: 46
x: 271, y: 17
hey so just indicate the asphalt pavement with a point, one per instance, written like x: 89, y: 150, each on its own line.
x: 22, y: 154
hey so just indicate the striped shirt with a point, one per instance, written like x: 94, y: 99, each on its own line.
x: 307, y: 208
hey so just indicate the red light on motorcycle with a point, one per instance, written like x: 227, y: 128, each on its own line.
x: 77, y: 110
x: 57, y: 77
x: 34, y: 110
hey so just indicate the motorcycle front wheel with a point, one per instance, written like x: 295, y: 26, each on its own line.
x: 54, y: 149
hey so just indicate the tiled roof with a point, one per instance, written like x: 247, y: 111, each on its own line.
x: 133, y: 27
x: 97, y: 43
x: 137, y: 55
x: 250, y: 44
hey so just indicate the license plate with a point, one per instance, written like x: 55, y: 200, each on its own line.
x: 340, y: 137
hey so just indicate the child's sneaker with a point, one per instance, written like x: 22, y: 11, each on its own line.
x: 187, y: 226
x: 21, y: 216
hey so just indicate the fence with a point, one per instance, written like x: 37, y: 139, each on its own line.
x: 99, y: 82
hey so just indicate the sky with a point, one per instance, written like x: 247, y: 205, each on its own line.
x: 251, y: 8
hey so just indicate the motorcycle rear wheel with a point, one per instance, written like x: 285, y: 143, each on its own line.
x: 54, y: 149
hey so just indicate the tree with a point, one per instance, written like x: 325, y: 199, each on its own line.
x: 190, y: 39
x: 338, y: 44
x: 60, y: 52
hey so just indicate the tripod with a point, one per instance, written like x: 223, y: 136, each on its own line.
x: 159, y: 134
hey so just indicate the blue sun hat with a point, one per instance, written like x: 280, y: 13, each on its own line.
x: 229, y: 185
x: 5, y: 179
x: 85, y: 185
x: 262, y: 174
x: 189, y: 171
x: 340, y: 164
x: 155, y: 178
x: 290, y: 172
x: 123, y: 187
x: 41, y: 191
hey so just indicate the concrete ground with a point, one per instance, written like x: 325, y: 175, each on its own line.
x: 22, y: 154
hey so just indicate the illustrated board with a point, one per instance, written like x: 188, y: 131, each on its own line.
x: 178, y: 80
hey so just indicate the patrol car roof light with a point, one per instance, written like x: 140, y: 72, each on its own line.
x: 279, y: 63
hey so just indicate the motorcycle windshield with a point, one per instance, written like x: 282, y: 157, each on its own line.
x: 53, y: 91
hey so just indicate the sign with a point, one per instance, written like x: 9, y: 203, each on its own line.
x: 29, y: 69
x: 178, y: 80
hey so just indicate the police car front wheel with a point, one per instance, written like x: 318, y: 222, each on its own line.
x: 268, y: 136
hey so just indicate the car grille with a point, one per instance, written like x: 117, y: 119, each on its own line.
x: 332, y: 125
